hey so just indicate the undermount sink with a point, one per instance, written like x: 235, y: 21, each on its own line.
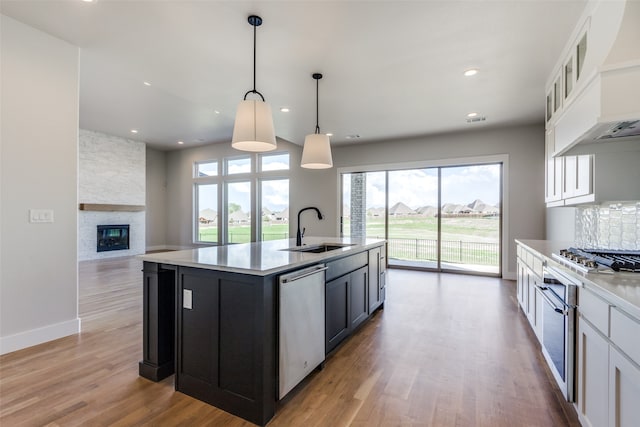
x: 316, y: 249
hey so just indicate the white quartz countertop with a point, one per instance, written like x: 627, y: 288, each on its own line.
x: 260, y: 258
x: 621, y: 289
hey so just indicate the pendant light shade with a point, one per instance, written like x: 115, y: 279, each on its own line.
x: 253, y: 129
x: 316, y: 153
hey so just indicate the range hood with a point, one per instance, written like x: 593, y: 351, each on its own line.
x: 605, y: 105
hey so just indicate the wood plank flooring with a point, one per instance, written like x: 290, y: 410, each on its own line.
x: 447, y: 350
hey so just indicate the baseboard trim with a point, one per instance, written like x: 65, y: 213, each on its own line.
x: 509, y: 275
x: 37, y: 336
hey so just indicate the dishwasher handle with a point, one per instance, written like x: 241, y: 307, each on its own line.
x: 304, y: 274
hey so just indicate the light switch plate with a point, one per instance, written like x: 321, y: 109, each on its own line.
x: 187, y: 299
x: 40, y: 215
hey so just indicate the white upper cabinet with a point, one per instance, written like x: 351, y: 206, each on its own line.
x: 599, y: 88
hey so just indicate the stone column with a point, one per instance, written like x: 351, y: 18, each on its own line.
x: 358, y: 205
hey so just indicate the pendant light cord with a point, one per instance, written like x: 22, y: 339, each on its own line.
x: 317, y: 106
x: 254, y: 59
x: 254, y: 21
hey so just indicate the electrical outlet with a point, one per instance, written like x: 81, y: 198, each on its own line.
x: 187, y: 299
x: 40, y: 215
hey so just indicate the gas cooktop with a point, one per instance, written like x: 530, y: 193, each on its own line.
x: 590, y: 260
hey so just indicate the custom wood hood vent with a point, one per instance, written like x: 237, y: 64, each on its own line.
x: 605, y: 105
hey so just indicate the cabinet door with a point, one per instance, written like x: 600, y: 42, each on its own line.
x: 522, y: 286
x: 358, y: 301
x: 337, y: 311
x: 570, y: 177
x: 553, y: 170
x: 592, y: 375
x: 531, y: 300
x: 584, y: 175
x: 624, y: 390
x: 375, y: 298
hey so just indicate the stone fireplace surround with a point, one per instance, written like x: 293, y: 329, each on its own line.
x: 111, y: 172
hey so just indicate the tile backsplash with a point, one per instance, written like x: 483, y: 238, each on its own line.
x: 611, y: 225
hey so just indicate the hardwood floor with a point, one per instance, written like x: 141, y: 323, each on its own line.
x: 447, y: 350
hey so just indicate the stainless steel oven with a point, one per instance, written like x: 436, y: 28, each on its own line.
x: 558, y: 294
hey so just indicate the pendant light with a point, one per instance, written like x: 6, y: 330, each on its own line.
x: 316, y: 153
x: 253, y: 129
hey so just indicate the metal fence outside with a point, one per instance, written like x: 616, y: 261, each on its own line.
x: 457, y: 251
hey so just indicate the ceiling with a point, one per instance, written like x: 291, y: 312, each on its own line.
x: 392, y: 69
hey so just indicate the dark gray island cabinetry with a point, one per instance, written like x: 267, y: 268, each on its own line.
x: 211, y: 316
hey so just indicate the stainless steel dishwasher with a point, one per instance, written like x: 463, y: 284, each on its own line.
x: 301, y: 325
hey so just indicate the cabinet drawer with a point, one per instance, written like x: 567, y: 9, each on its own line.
x: 624, y: 333
x: 346, y: 265
x: 595, y: 310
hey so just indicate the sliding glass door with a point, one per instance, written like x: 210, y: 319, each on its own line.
x: 470, y: 218
x: 436, y: 218
x: 413, y: 220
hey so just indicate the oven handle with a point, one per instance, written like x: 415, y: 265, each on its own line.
x: 562, y: 310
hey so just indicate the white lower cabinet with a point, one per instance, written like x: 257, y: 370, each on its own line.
x: 593, y: 376
x: 608, y: 374
x: 530, y: 301
x: 624, y: 390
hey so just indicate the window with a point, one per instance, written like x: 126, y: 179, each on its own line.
x: 241, y: 205
x: 274, y: 162
x: 239, y: 210
x: 207, y: 212
x: 238, y: 165
x: 274, y: 196
x: 204, y: 169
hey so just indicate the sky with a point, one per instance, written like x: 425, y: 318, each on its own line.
x: 419, y: 187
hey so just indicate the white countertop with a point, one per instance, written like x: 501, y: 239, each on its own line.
x: 259, y: 258
x: 622, y: 289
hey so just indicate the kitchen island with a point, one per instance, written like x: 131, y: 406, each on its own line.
x: 211, y: 314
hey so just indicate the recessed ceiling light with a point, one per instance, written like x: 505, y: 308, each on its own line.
x: 284, y: 109
x: 88, y: 1
x: 471, y: 72
x: 216, y: 112
x: 146, y: 83
x: 476, y: 119
x: 329, y: 134
x: 180, y: 142
x: 472, y: 114
x: 354, y: 136
x: 134, y: 131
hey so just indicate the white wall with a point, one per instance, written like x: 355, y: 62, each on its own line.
x: 560, y: 224
x: 38, y: 268
x: 306, y: 188
x: 111, y: 171
x: 524, y: 145
x: 156, y: 200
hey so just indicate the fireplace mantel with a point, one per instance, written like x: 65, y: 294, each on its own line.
x: 110, y: 207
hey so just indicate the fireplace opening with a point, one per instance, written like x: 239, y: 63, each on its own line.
x: 113, y: 237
